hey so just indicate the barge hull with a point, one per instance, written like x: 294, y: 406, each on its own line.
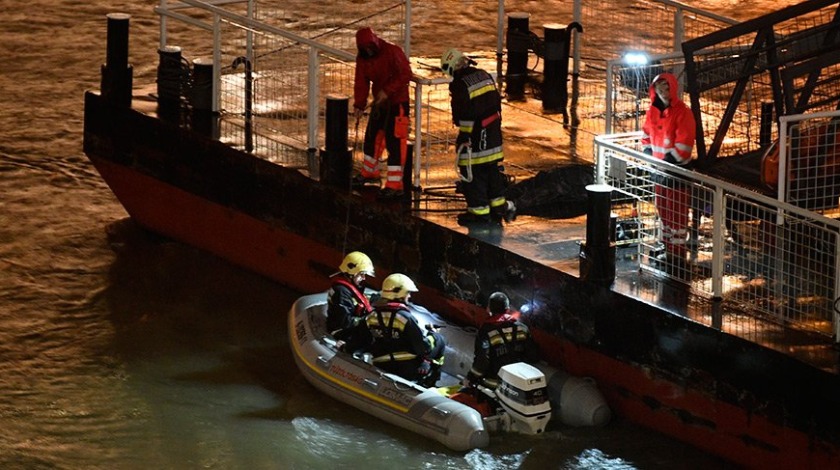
x: 725, y: 395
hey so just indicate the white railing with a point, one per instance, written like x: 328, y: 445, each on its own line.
x: 762, y: 255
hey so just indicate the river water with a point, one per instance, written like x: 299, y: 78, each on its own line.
x: 120, y: 349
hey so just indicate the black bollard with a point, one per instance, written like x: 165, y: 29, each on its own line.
x: 597, y: 253
x: 336, y: 159
x: 201, y: 93
x: 518, y: 38
x: 556, y: 68
x: 204, y: 120
x: 116, y: 81
x: 169, y: 75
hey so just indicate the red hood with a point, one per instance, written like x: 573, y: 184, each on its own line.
x: 672, y: 82
x: 365, y: 37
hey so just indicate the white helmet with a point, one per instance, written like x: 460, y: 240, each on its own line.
x: 397, y: 286
x: 355, y: 263
x: 451, y: 61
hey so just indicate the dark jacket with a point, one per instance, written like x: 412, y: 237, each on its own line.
x: 476, y: 110
x: 347, y: 306
x: 501, y: 340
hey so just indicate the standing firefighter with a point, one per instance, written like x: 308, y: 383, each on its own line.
x: 383, y: 70
x: 477, y: 111
x: 668, y: 134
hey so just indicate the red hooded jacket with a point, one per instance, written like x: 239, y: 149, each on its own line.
x: 670, y: 132
x: 388, y: 70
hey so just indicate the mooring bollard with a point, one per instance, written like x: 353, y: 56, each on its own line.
x: 117, y: 77
x: 336, y: 159
x: 205, y: 121
x: 518, y: 37
x: 555, y: 91
x: 597, y: 253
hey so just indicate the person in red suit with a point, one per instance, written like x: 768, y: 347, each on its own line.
x: 383, y: 72
x: 668, y: 134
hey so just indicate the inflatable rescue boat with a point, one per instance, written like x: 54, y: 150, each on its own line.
x: 527, y: 397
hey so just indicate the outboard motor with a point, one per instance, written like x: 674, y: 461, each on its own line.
x: 523, y: 393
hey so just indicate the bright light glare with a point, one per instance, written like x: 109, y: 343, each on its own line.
x: 635, y: 58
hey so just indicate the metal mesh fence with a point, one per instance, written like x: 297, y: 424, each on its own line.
x: 770, y: 258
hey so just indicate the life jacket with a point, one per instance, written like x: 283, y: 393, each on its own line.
x: 388, y: 325
x: 506, y: 340
x: 363, y: 306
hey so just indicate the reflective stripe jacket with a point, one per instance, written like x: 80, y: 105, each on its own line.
x: 669, y: 133
x: 476, y: 110
x: 396, y: 334
x: 501, y: 340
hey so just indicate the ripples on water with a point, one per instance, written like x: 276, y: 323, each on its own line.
x: 119, y: 349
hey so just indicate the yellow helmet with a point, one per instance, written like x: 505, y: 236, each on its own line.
x: 451, y: 61
x: 397, y: 286
x: 355, y: 263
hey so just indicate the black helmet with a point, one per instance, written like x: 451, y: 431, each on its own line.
x: 498, y: 303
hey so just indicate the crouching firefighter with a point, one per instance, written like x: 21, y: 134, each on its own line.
x: 399, y: 345
x: 477, y: 112
x: 501, y: 340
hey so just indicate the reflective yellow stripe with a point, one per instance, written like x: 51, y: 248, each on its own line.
x: 397, y: 356
x: 480, y: 91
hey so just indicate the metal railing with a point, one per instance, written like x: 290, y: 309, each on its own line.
x: 759, y: 255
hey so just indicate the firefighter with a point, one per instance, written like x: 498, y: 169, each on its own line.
x: 477, y: 112
x: 383, y: 71
x: 399, y: 345
x: 668, y: 134
x: 347, y: 305
x: 501, y: 340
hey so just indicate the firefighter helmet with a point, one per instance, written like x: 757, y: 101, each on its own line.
x: 451, y: 61
x: 355, y: 263
x: 498, y: 303
x: 397, y: 286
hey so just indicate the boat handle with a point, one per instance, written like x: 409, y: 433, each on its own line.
x: 371, y: 383
x: 442, y: 413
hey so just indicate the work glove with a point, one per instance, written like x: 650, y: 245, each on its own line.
x: 425, y: 368
x: 381, y: 98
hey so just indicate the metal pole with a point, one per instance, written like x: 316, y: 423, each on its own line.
x: 718, y: 227
x: 217, y: 61
x: 418, y: 130
x: 312, y: 99
x: 407, y: 45
x: 162, y: 38
x: 500, y: 44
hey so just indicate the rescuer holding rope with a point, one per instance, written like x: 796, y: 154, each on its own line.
x: 382, y: 70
